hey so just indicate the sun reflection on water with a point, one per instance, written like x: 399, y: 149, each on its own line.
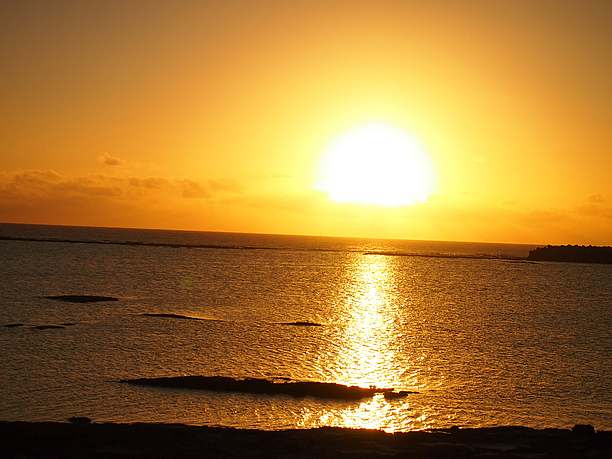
x: 368, y: 354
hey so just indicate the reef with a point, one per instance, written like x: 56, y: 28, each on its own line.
x: 81, y: 298
x: 302, y: 324
x: 276, y: 386
x: 170, y: 316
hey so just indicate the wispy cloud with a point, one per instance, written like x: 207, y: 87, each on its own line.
x: 109, y: 160
x: 151, y: 183
x: 596, y: 199
x: 29, y: 186
x: 595, y: 206
x: 192, y: 189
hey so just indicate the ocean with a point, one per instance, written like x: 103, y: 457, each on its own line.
x: 483, y: 337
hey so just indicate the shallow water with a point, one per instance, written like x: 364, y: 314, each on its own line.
x: 484, y: 342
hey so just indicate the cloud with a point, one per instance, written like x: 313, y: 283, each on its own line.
x: 594, y: 206
x: 33, y: 184
x: 150, y: 183
x: 596, y: 199
x: 192, y: 189
x: 198, y: 190
x: 109, y: 160
x: 50, y: 186
x: 544, y: 216
x: 227, y: 185
x: 45, y: 196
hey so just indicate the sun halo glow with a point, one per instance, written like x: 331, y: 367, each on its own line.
x: 376, y: 164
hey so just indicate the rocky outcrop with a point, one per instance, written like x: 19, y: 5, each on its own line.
x: 279, y: 386
x: 81, y: 298
x: 168, y: 315
x: 302, y: 324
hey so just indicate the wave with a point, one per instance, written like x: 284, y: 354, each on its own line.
x: 169, y: 315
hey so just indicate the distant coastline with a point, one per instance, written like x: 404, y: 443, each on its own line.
x: 572, y: 253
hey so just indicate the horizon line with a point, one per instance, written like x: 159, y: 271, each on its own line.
x: 274, y: 234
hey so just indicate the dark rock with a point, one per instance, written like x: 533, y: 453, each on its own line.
x: 170, y: 316
x: 79, y: 420
x: 49, y: 327
x: 68, y: 324
x: 13, y: 325
x: 398, y: 394
x: 583, y: 429
x: 261, y: 386
x: 302, y: 324
x: 81, y: 298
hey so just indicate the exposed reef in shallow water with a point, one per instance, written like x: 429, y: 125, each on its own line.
x: 171, y: 315
x: 81, y: 298
x: 114, y: 441
x: 397, y: 394
x: 467, y: 256
x: 301, y: 324
x: 277, y: 386
x: 42, y: 327
x: 167, y: 315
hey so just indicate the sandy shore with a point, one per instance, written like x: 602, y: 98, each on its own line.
x: 53, y: 439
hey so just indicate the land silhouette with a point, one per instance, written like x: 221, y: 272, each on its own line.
x: 83, y: 438
x: 572, y: 253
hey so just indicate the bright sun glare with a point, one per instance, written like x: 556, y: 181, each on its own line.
x: 376, y: 164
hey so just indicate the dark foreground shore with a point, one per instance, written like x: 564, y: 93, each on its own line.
x: 55, y: 440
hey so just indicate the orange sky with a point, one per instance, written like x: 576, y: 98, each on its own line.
x: 214, y: 115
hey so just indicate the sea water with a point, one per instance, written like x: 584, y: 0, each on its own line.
x: 482, y: 337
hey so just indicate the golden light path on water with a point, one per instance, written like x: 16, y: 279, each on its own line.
x: 368, y: 354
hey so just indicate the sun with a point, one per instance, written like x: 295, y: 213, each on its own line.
x: 376, y: 164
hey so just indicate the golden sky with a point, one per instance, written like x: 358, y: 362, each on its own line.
x: 215, y: 115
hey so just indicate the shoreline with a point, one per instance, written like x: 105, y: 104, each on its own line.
x: 142, y: 440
